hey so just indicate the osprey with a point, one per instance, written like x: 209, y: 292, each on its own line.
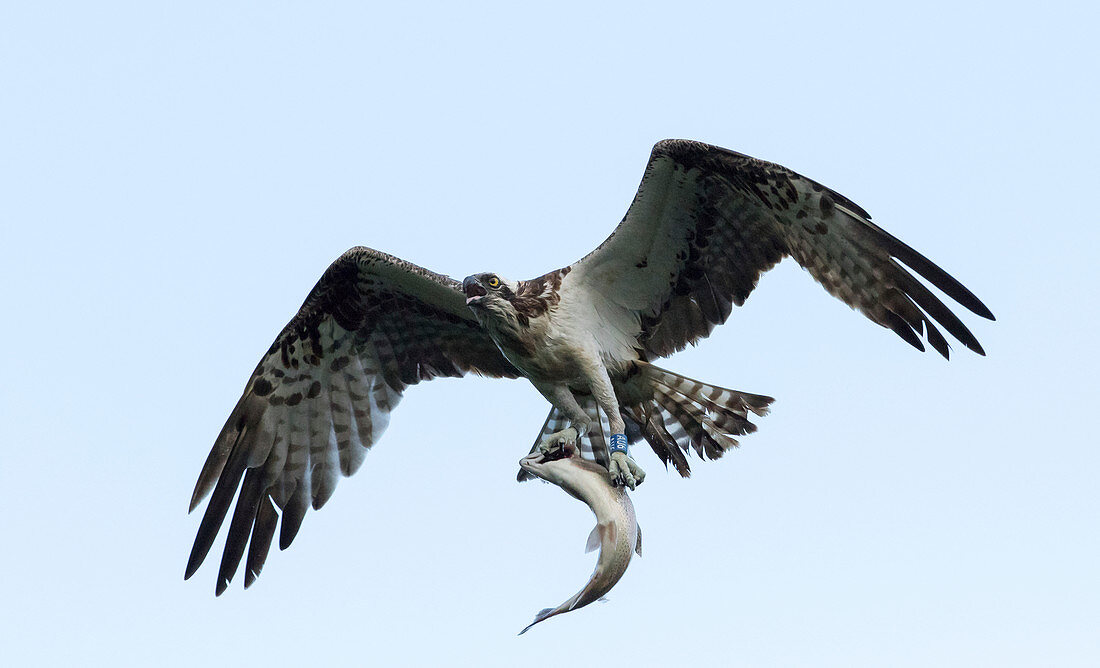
x: 705, y: 223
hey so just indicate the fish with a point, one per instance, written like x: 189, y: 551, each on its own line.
x: 616, y: 533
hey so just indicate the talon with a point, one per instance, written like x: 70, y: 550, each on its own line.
x: 559, y: 442
x: 625, y: 471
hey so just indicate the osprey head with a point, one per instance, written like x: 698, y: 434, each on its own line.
x: 496, y: 299
x: 488, y: 292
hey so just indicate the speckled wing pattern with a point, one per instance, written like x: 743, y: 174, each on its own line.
x: 707, y: 222
x: 322, y: 395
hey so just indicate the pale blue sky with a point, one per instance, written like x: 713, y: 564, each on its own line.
x: 175, y: 177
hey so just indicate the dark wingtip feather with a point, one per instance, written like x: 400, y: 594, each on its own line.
x: 293, y: 514
x: 230, y: 435
x: 239, y: 528
x: 937, y: 341
x: 917, y: 292
x: 267, y: 519
x: 214, y: 465
x: 929, y: 270
x: 896, y: 323
x: 975, y: 347
x: 216, y: 510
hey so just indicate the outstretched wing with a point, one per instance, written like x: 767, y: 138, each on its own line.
x: 322, y: 395
x: 707, y: 222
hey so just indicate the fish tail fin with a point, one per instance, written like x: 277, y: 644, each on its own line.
x: 542, y: 614
x: 683, y: 413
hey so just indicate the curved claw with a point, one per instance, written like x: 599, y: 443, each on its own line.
x: 559, y: 442
x: 625, y: 471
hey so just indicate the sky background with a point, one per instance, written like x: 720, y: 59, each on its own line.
x: 176, y: 176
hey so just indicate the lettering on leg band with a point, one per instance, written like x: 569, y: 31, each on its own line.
x: 618, y: 444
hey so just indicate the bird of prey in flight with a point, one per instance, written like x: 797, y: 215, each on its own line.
x: 705, y: 223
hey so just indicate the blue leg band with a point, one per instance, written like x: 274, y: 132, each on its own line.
x: 618, y: 444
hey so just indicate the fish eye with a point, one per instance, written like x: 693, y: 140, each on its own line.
x: 494, y: 282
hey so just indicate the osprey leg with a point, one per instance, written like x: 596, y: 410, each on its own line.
x: 622, y: 467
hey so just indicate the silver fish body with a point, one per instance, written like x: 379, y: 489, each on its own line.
x: 616, y: 533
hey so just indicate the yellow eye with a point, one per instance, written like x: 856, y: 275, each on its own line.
x: 494, y: 282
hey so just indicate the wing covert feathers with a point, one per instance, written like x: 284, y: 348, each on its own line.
x: 707, y: 222
x: 321, y: 398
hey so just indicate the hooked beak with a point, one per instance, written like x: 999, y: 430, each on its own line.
x: 473, y: 290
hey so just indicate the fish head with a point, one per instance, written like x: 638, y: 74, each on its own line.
x: 580, y: 478
x: 553, y: 467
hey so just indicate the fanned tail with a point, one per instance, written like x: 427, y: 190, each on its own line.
x: 673, y: 413
x: 685, y: 413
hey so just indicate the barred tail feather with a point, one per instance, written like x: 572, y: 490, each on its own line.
x: 685, y: 413
x: 653, y: 430
x: 673, y: 413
